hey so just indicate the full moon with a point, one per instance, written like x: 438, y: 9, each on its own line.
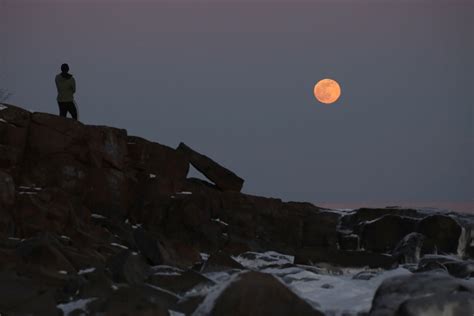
x: 327, y: 91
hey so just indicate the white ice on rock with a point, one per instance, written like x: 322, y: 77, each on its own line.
x: 2, y: 120
x: 338, y: 294
x: 94, y: 215
x: 255, y: 260
x: 2, y: 107
x: 218, y: 220
x: 118, y: 245
x: 85, y: 271
x: 72, y: 306
x: 207, y: 305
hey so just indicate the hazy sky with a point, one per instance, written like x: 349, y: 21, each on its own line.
x: 234, y: 80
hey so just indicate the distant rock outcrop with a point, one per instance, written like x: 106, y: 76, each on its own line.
x: 90, y: 215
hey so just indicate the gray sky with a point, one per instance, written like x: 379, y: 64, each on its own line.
x: 234, y: 80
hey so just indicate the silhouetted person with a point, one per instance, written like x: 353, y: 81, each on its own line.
x: 66, y: 86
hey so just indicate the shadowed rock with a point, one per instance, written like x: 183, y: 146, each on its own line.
x: 432, y: 290
x: 220, y: 261
x: 128, y: 267
x: 442, y: 233
x: 344, y: 258
x: 260, y: 294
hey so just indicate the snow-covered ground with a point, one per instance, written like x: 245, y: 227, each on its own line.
x: 332, y: 290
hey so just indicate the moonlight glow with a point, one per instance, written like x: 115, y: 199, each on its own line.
x: 327, y: 91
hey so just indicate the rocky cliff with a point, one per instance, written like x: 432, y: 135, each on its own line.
x: 95, y: 220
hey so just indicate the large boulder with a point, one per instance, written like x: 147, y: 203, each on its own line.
x: 224, y: 179
x: 384, y: 233
x: 320, y: 229
x: 455, y: 266
x: 255, y: 293
x: 454, y: 304
x: 356, y: 218
x: 442, y: 232
x: 128, y: 267
x: 428, y: 293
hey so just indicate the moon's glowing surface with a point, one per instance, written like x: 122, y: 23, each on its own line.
x: 327, y: 91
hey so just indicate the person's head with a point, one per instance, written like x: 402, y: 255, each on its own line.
x: 65, y: 68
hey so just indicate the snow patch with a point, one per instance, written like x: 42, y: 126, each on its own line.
x: 85, y: 271
x: 163, y: 290
x: 166, y: 270
x: 185, y: 192
x: 70, y: 307
x: 2, y: 107
x: 152, y: 176
x: 204, y: 256
x: 338, y: 294
x: 257, y: 260
x: 217, y: 220
x: 62, y: 272
x: 2, y: 120
x: 174, y: 313
x: 94, y: 215
x: 118, y: 245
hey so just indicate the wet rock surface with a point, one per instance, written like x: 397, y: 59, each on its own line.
x: 90, y: 215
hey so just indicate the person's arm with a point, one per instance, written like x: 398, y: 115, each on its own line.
x: 56, y: 82
x: 73, y: 85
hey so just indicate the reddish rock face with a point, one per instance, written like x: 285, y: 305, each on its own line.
x: 164, y: 164
x: 224, y: 179
x: 48, y: 210
x: 14, y: 124
x: 15, y: 115
x: 107, y: 147
x: 7, y: 190
x: 109, y: 192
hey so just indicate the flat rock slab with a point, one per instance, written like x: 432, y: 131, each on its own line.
x: 223, y: 178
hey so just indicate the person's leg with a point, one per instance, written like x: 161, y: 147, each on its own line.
x: 73, y: 110
x: 62, y: 109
